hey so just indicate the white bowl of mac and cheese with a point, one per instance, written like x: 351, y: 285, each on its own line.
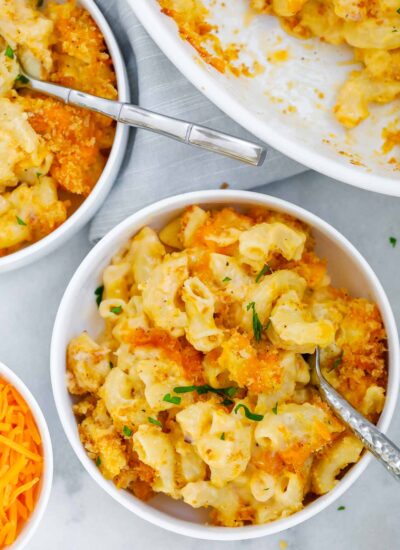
x: 58, y: 161
x: 179, y: 363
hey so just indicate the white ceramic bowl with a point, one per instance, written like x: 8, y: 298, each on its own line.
x: 264, y: 104
x: 347, y: 268
x: 47, y: 475
x: 91, y: 204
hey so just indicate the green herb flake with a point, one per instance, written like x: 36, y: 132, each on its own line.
x: 336, y: 362
x: 110, y: 365
x: 268, y: 324
x: 248, y: 413
x: 99, y: 294
x: 9, y: 52
x: 340, y: 508
x: 39, y: 3
x: 398, y: 10
x: 393, y: 241
x: 154, y: 421
x: 226, y: 279
x: 265, y: 270
x: 172, y: 399
x: 116, y: 310
x: 184, y: 389
x: 275, y: 408
x: 223, y: 436
x: 127, y: 431
x: 227, y: 402
x: 257, y: 326
x: 98, y: 461
x: 19, y: 221
x: 22, y: 79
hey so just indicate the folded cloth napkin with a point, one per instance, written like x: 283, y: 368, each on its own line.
x: 155, y: 166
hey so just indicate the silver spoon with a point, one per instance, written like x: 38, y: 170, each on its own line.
x: 186, y: 132
x: 374, y: 440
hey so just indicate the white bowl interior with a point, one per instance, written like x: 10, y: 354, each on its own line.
x: 283, y: 106
x: 89, y: 206
x: 347, y: 268
x: 47, y: 475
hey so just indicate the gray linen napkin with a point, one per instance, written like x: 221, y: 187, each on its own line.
x: 156, y: 167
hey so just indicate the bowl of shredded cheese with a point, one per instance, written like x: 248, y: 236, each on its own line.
x: 26, y: 462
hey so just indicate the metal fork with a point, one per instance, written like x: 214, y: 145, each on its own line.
x: 133, y: 115
x: 380, y: 446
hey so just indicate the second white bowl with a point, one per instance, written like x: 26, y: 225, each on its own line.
x: 93, y: 202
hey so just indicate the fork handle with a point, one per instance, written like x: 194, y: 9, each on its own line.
x: 374, y: 440
x: 180, y: 130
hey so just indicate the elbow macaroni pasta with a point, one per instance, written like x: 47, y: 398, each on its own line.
x: 198, y: 388
x: 51, y: 154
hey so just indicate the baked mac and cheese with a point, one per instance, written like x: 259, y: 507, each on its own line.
x: 199, y: 386
x: 51, y: 154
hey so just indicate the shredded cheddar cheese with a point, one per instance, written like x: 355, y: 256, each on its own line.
x: 21, y: 463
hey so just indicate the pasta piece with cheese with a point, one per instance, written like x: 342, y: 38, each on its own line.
x: 293, y: 424
x: 192, y: 219
x: 123, y: 397
x: 335, y: 458
x: 22, y: 25
x: 160, y: 376
x: 29, y: 213
x: 294, y: 328
x: 228, y: 457
x: 226, y: 501
x: 201, y: 330
x: 116, y: 281
x: 87, y: 364
x: 103, y: 443
x: 258, y: 243
x: 160, y: 294
x: 265, y: 293
x: 20, y: 146
x: 145, y: 253
x: 154, y: 448
x: 229, y: 275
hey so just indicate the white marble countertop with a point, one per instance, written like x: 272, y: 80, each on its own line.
x: 80, y: 514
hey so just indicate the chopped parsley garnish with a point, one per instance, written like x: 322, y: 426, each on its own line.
x: 398, y: 10
x: 22, y: 78
x: 110, y: 365
x: 336, y: 363
x: 230, y: 391
x: 266, y: 269
x: 172, y: 399
x: 223, y: 436
x: 98, y: 461
x: 99, y: 294
x: 227, y: 402
x: 393, y: 241
x: 19, y: 221
x: 275, y: 408
x: 39, y: 3
x: 127, y: 431
x: 9, y: 52
x: 257, y: 326
x: 116, y: 309
x: 226, y: 280
x: 341, y: 508
x: 154, y: 421
x: 268, y: 324
x: 248, y: 413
